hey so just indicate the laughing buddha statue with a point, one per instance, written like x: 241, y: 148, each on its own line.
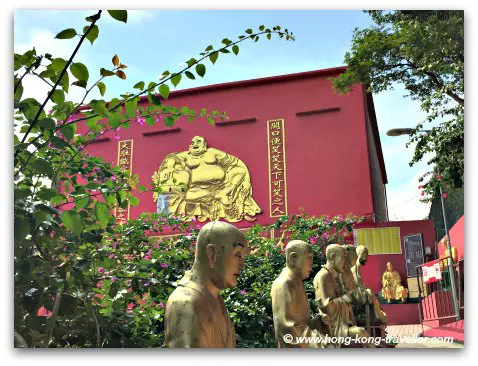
x: 206, y: 183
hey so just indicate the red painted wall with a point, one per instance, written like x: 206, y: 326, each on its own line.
x: 373, y: 270
x: 326, y: 154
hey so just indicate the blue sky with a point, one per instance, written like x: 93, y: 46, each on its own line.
x: 155, y: 40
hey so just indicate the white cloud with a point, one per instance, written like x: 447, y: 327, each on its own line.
x: 404, y: 201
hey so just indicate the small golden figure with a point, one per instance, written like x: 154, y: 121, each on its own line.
x: 290, y: 304
x: 392, y: 285
x: 206, y: 183
x: 196, y: 316
x: 360, y: 259
x: 331, y: 298
x: 446, y: 253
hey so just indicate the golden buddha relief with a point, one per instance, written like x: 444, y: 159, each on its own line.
x: 206, y: 183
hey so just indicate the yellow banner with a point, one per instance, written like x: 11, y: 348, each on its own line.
x: 384, y: 240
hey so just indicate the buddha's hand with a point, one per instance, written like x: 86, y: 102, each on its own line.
x: 325, y: 319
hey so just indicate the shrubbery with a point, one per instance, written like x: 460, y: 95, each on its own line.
x: 116, y: 295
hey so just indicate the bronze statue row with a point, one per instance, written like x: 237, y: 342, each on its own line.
x: 197, y: 317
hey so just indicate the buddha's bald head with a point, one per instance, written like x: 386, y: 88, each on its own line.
x: 335, y: 257
x: 220, y: 253
x: 350, y: 255
x: 299, y: 258
x: 198, y: 145
x: 362, y: 254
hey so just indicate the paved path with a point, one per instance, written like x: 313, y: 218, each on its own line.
x: 413, y: 332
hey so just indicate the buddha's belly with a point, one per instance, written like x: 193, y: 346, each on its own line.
x: 207, y: 174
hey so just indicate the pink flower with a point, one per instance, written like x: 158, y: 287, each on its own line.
x: 444, y: 195
x: 99, y: 284
x: 131, y: 305
x: 161, y: 304
x: 423, y: 193
x: 111, y: 256
x: 113, y: 279
x: 140, y: 121
x: 164, y: 265
x: 420, y: 187
x: 243, y: 292
x: 113, y: 177
x: 101, y: 269
x: 129, y: 289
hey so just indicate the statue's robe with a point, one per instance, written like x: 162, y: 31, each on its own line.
x: 329, y: 299
x: 194, y: 319
x: 291, y: 310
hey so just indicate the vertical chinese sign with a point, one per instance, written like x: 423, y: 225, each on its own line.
x: 277, y: 168
x: 125, y: 162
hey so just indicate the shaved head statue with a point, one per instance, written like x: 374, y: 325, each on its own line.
x: 195, y: 313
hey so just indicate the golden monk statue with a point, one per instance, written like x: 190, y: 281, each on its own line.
x: 392, y: 285
x: 290, y: 305
x: 206, y: 183
x: 446, y: 253
x: 331, y: 298
x: 195, y: 313
x: 346, y: 278
x: 359, y: 260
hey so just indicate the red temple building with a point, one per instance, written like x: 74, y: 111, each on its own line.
x: 305, y: 147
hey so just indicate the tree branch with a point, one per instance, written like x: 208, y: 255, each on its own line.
x: 32, y: 124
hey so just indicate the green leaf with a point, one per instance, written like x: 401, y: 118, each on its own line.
x: 59, y: 143
x: 58, y: 64
x: 113, y: 290
x: 65, y: 82
x: 130, y: 108
x: 58, y: 96
x: 164, y: 90
x: 42, y: 166
x: 104, y: 72
x: 68, y: 131
x: 72, y: 221
x: 92, y: 185
x: 80, y: 83
x: 102, y: 213
x: 59, y: 198
x: 99, y: 107
x: 190, y: 75
x: 201, y: 70
x: 213, y: 57
x: 150, y: 121
x: 249, y: 31
x: 134, y: 201
x: 115, y: 119
x: 19, y: 92
x: 139, y: 85
x: 80, y: 203
x: 47, y: 124
x: 79, y: 71
x: 176, y: 79
x: 121, y: 15
x: 235, y: 49
x: 261, y: 28
x: 47, y: 193
x: 66, y: 34
x: 269, y: 36
x: 153, y: 99
x: 102, y: 88
x: 169, y: 121
x: 93, y: 34
x: 21, y: 229
x: 29, y: 107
